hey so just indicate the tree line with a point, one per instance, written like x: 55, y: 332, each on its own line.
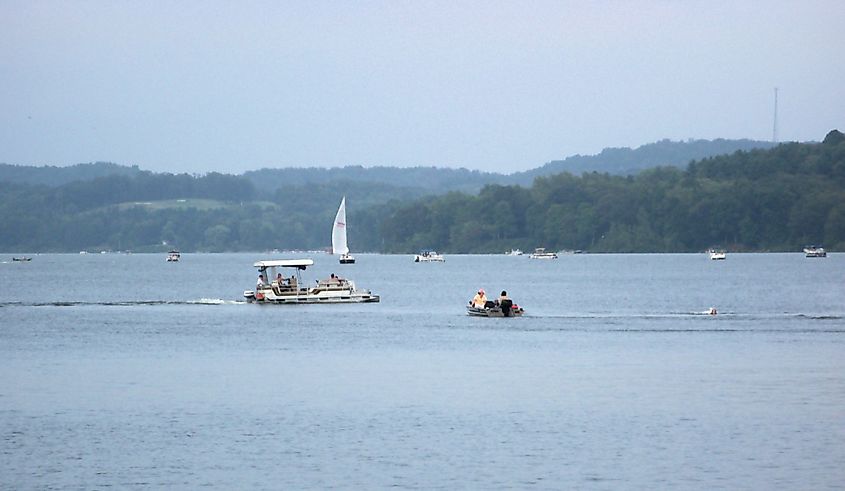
x: 760, y: 200
x: 775, y: 199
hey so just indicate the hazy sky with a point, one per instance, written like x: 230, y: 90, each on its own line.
x: 197, y: 86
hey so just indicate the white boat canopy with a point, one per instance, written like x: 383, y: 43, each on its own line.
x: 285, y: 263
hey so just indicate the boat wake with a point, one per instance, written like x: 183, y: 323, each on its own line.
x: 121, y: 303
x: 740, y: 316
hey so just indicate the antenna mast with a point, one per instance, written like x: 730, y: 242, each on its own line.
x: 775, y: 127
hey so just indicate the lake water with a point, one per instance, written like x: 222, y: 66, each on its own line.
x: 126, y: 371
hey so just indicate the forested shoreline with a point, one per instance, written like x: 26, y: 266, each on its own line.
x: 759, y: 200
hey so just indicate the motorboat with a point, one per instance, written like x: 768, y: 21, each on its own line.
x: 428, y: 257
x: 717, y: 254
x: 540, y: 253
x: 22, y: 259
x: 493, y: 309
x: 173, y: 256
x: 815, y: 251
x: 339, y: 235
x: 292, y: 290
x: 514, y: 252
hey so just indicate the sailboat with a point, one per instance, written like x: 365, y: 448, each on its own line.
x: 339, y: 235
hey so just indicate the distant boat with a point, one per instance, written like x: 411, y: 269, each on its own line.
x: 429, y: 257
x: 514, y: 252
x: 815, y: 251
x: 173, y: 256
x: 540, y: 253
x: 339, y: 235
x: 717, y: 254
x: 22, y: 259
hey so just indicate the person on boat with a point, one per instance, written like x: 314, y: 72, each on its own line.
x: 479, y: 299
x: 260, y: 283
x: 280, y: 280
x: 505, y: 303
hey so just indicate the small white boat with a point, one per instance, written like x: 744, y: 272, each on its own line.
x: 717, y: 254
x: 292, y: 291
x: 339, y: 235
x: 173, y: 256
x: 22, y: 259
x: 815, y: 251
x: 428, y: 257
x: 540, y: 253
x: 514, y: 252
x: 493, y: 309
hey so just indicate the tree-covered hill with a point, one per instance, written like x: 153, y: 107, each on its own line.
x: 51, y: 175
x: 215, y: 212
x: 427, y: 179
x: 776, y: 199
x: 625, y: 161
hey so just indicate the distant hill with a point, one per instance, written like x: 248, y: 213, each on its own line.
x: 423, y: 180
x: 626, y: 161
x: 747, y: 200
x: 431, y: 180
x: 51, y: 175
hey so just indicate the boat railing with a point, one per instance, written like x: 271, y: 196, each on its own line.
x: 333, y: 285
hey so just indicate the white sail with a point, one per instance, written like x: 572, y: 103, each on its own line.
x: 339, y: 230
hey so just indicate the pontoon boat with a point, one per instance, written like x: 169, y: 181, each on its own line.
x: 292, y: 290
x: 540, y: 253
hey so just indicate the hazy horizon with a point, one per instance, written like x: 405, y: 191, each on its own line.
x: 490, y: 86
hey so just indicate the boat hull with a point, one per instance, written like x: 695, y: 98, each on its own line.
x: 309, y: 297
x: 494, y: 312
x: 424, y: 259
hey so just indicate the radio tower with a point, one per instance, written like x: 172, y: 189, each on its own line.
x: 775, y: 127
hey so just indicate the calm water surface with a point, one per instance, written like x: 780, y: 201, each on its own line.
x: 127, y: 371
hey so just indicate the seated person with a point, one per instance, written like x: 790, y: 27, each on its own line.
x: 479, y: 300
x: 505, y: 303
